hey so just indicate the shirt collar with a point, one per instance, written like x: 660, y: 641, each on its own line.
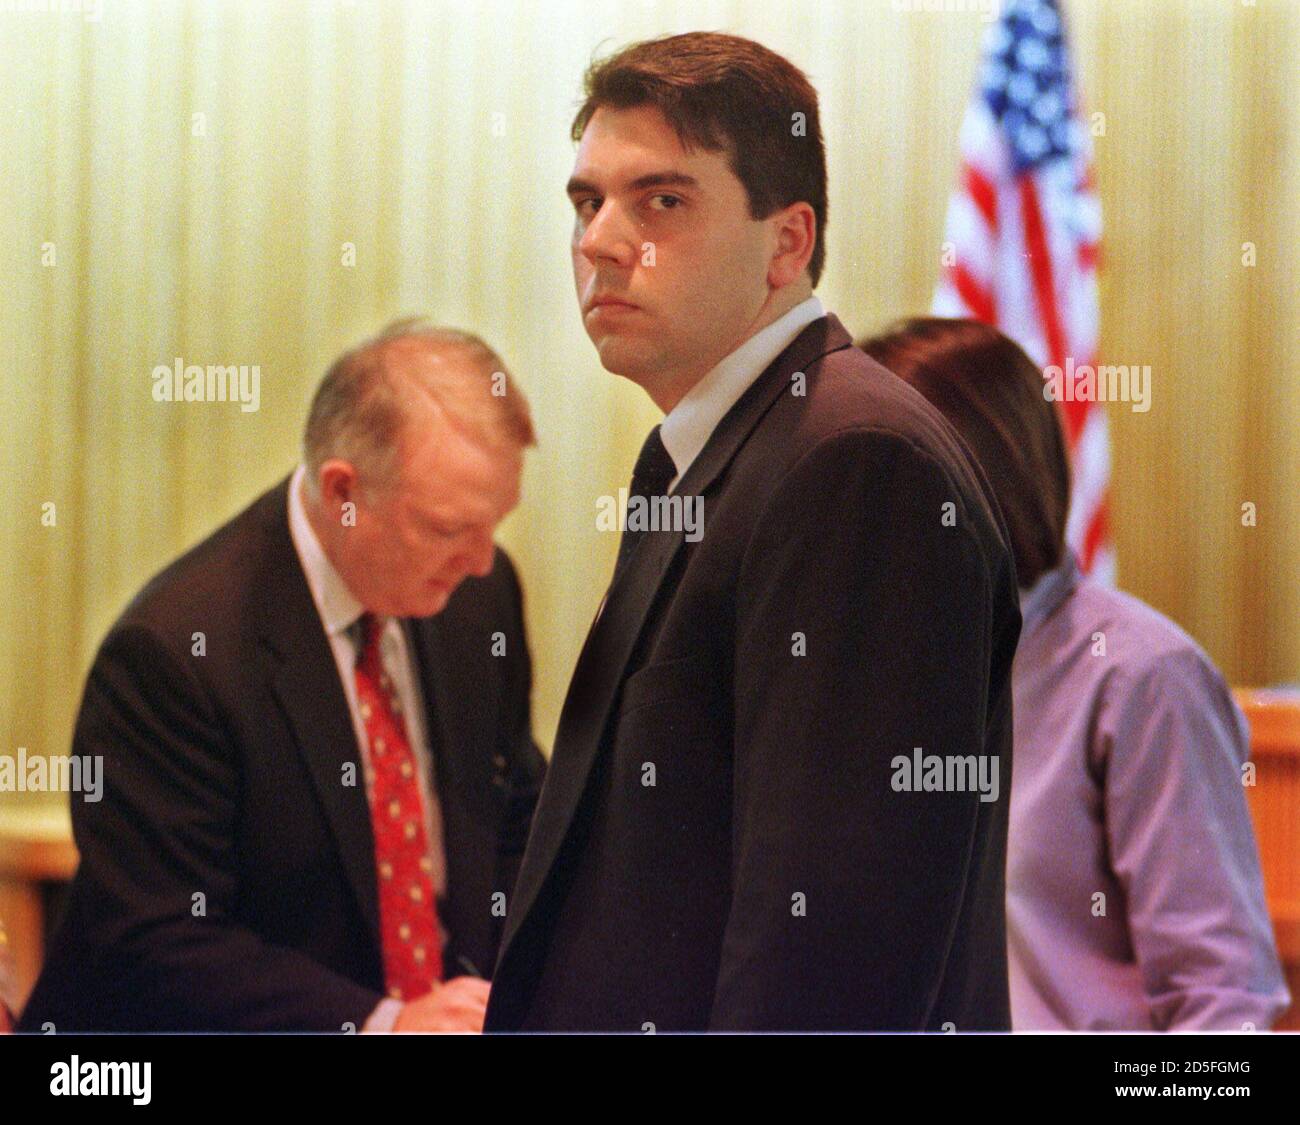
x: 335, y: 603
x: 690, y: 423
x: 1041, y: 600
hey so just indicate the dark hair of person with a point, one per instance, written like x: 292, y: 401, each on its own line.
x: 992, y: 394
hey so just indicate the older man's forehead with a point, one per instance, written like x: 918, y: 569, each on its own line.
x: 440, y: 449
x: 434, y: 376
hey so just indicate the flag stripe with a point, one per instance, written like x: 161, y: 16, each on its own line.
x: 981, y: 190
x: 1023, y: 237
x: 1040, y: 269
x: 975, y: 297
x: 1097, y: 533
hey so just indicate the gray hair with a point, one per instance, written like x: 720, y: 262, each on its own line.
x: 359, y: 409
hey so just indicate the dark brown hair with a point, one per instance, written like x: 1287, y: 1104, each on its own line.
x: 722, y: 93
x: 992, y: 393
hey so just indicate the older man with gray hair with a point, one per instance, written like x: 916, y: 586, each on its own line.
x: 318, y: 767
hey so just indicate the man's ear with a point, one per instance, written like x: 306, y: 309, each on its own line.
x: 337, y: 483
x: 796, y: 237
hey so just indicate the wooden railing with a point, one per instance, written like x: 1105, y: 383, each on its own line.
x: 36, y: 853
x: 1274, y: 801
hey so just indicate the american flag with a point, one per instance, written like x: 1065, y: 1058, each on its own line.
x: 1023, y: 233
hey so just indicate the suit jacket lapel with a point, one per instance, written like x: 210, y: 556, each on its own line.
x: 305, y: 680
x: 601, y: 665
x: 455, y: 676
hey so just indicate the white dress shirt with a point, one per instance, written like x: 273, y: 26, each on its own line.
x: 690, y: 424
x: 686, y: 428
x: 339, y: 611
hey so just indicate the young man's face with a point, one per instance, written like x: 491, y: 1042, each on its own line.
x: 667, y: 234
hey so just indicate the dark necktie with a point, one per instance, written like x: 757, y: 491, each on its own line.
x: 651, y: 476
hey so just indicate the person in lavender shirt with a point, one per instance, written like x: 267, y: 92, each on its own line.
x: 1134, y: 894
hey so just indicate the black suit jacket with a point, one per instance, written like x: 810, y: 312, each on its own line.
x: 718, y: 843
x: 227, y: 877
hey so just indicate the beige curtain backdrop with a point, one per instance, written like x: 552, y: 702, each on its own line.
x: 266, y: 182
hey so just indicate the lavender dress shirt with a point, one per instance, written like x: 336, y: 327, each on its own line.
x: 1134, y: 894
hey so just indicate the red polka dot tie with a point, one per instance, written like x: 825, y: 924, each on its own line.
x: 408, y: 911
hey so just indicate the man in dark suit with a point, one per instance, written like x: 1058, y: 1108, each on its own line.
x: 732, y: 834
x: 318, y: 767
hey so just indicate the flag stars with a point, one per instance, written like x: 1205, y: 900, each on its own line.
x: 385, y: 870
x: 1047, y: 106
x: 1045, y: 21
x: 416, y: 892
x: 1032, y: 53
x: 995, y: 75
x: 1025, y: 63
x: 1022, y: 89
x: 394, y: 808
x: 1032, y: 140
